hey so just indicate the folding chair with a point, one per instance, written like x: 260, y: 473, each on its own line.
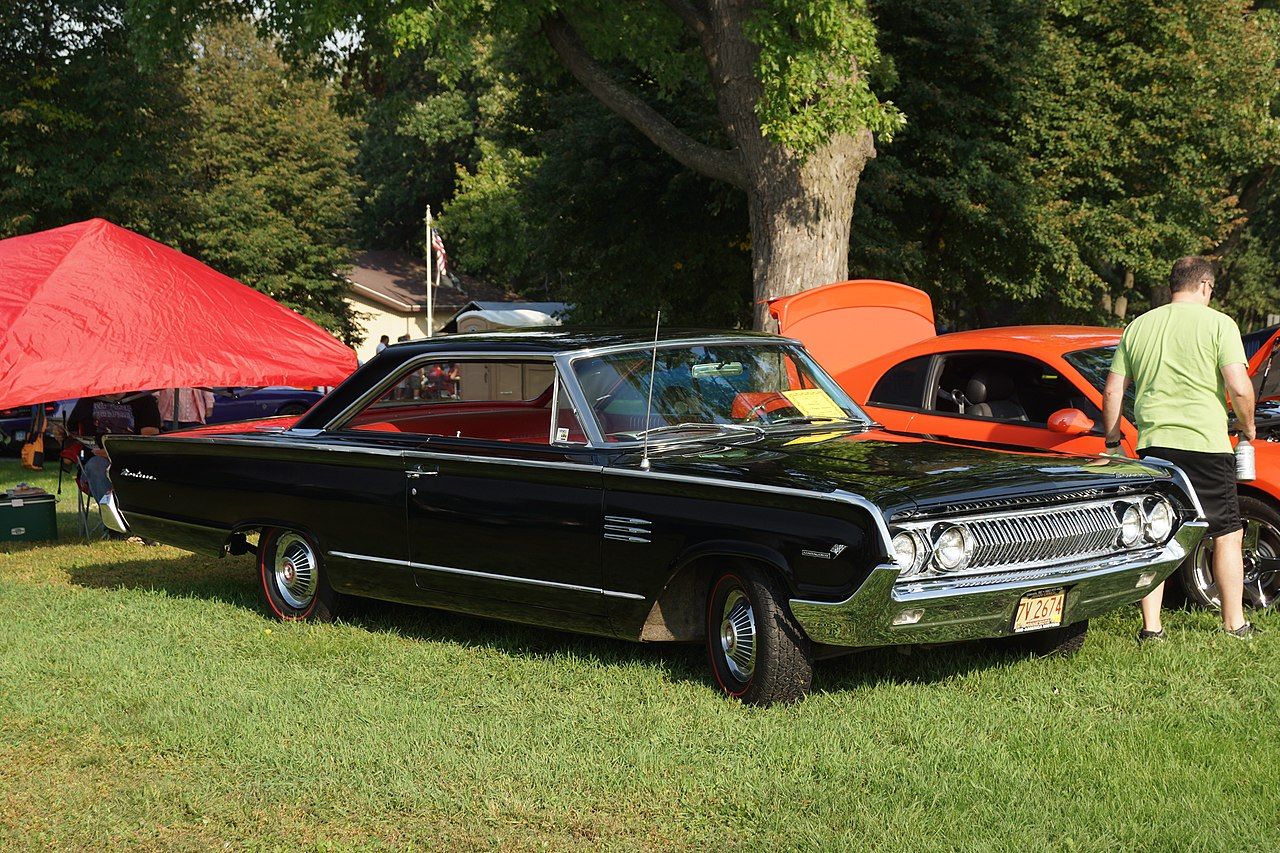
x: 72, y: 459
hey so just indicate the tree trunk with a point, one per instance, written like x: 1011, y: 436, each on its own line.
x: 801, y: 211
x: 801, y: 207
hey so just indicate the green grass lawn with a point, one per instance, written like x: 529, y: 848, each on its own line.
x: 147, y: 702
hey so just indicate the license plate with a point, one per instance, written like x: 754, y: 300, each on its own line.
x: 1039, y: 610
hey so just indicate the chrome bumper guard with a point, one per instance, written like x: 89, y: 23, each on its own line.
x: 974, y: 608
x: 111, y: 515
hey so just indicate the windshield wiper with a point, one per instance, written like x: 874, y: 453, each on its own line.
x: 698, y: 427
x: 812, y: 419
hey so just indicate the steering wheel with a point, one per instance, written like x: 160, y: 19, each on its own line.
x: 771, y: 403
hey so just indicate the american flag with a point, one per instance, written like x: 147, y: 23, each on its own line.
x: 442, y: 257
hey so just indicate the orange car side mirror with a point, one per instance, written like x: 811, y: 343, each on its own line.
x: 1070, y: 422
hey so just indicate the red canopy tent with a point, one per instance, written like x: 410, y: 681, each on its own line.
x: 92, y: 308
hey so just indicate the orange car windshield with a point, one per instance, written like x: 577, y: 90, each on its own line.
x: 1094, y: 365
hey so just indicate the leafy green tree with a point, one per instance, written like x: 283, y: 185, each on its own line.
x: 597, y: 216
x: 85, y: 129
x: 270, y: 193
x: 794, y: 114
x: 1061, y: 155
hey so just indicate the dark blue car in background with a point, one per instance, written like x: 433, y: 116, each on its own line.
x: 242, y: 404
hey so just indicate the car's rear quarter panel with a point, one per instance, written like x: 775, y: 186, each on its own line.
x: 202, y: 491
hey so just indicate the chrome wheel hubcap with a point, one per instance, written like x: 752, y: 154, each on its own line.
x: 1261, y: 566
x: 738, y: 636
x: 294, y: 571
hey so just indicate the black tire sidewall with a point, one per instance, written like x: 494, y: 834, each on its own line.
x: 1250, y: 508
x: 323, y: 604
x: 784, y: 658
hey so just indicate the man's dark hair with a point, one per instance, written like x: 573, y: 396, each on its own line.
x: 385, y: 338
x: 1188, y: 272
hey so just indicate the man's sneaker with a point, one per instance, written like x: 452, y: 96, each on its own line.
x: 1145, y: 636
x: 1244, y: 632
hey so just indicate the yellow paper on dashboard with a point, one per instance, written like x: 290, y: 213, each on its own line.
x: 815, y: 403
x: 814, y: 439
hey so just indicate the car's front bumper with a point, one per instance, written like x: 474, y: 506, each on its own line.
x: 973, y: 608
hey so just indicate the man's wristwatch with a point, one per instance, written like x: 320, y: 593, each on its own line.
x: 1112, y: 444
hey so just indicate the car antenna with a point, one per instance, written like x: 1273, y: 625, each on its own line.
x: 648, y: 409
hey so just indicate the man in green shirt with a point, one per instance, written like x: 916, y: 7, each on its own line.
x: 1183, y: 359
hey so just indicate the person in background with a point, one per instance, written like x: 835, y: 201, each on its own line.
x: 404, y: 390
x: 383, y: 343
x: 33, y: 447
x: 194, y: 405
x: 131, y: 413
x: 1183, y: 359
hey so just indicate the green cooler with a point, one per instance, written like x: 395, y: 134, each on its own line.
x: 28, y: 517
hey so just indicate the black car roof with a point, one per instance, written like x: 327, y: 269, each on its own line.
x: 557, y: 340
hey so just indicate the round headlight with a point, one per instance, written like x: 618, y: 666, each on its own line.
x: 1159, y: 520
x: 908, y: 553
x: 1131, y: 525
x: 953, y: 548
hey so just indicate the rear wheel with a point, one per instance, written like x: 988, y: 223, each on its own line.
x: 293, y: 580
x: 757, y: 650
x: 1261, y: 560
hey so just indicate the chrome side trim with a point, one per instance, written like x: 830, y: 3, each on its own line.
x: 622, y: 519
x: 500, y: 460
x: 485, y: 575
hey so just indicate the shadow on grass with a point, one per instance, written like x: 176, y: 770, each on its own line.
x: 233, y: 581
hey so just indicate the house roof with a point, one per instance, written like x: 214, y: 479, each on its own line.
x: 397, y: 280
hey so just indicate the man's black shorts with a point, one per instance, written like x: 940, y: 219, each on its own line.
x: 1214, y: 477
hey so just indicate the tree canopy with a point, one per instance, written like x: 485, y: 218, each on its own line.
x: 1038, y: 160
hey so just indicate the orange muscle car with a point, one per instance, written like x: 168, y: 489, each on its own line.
x: 1016, y: 386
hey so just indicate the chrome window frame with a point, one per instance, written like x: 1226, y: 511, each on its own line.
x: 339, y: 422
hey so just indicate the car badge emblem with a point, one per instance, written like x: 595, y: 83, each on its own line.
x: 836, y: 551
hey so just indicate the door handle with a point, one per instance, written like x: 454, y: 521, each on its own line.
x: 415, y: 473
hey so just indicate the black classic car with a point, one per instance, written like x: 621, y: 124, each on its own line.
x: 715, y: 488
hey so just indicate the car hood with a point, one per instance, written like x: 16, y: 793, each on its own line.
x: 900, y: 473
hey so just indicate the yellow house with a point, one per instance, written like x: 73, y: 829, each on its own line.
x: 389, y: 296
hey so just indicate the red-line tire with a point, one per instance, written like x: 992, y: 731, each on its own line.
x: 292, y: 577
x: 748, y: 604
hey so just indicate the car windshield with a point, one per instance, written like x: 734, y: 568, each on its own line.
x: 1094, y: 365
x: 701, y: 389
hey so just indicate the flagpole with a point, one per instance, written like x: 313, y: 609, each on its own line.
x: 431, y: 318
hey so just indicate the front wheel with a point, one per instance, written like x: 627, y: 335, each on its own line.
x: 758, y: 652
x: 1261, y: 560
x: 293, y: 580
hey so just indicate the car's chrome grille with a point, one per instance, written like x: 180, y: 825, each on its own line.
x: 1027, y: 538
x: 1055, y: 535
